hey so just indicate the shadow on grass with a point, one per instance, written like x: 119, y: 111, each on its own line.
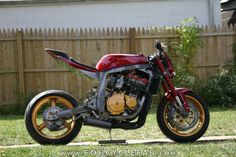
x: 222, y: 109
x: 11, y: 117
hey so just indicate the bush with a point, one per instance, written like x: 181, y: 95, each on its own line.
x: 220, y: 90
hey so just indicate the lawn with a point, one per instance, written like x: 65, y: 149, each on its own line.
x: 217, y: 149
x: 222, y: 122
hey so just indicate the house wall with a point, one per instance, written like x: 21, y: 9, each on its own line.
x: 109, y: 14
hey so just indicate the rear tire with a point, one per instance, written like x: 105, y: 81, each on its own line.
x: 32, y: 114
x: 171, y: 131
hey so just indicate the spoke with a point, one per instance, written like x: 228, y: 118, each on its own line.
x: 53, y: 102
x: 175, y: 129
x: 67, y: 125
x: 41, y: 126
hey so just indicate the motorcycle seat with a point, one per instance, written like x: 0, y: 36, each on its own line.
x: 69, y: 60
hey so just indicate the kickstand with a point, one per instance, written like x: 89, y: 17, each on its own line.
x: 110, y: 141
x: 110, y: 134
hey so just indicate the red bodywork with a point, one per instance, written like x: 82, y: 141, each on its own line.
x: 107, y: 62
x: 111, y: 61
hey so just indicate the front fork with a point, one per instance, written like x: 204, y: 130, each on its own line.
x: 177, y: 95
x: 173, y: 94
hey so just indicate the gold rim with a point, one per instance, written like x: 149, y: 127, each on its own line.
x: 195, y: 128
x: 40, y: 126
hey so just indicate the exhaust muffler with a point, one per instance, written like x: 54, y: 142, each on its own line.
x: 97, y: 123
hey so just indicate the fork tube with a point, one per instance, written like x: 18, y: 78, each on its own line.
x: 167, y: 79
x: 172, y: 94
x: 164, y: 85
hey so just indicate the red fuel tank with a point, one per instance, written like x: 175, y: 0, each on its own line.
x: 111, y: 61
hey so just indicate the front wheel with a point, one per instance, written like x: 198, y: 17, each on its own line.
x: 180, y: 129
x: 46, y: 105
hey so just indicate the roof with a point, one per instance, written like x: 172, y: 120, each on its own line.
x: 227, y: 5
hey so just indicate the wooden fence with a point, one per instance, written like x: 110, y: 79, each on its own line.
x: 26, y: 68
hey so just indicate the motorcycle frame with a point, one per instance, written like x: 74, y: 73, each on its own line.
x: 102, y: 77
x: 158, y: 72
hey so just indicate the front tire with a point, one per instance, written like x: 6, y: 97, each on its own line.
x: 38, y: 128
x: 180, y: 129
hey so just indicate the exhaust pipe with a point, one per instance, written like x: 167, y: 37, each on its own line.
x: 97, y: 123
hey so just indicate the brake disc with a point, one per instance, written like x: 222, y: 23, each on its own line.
x: 183, y: 124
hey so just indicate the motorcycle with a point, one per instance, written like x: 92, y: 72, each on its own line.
x: 122, y: 100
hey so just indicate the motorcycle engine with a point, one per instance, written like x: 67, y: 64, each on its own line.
x: 123, y: 92
x: 118, y: 101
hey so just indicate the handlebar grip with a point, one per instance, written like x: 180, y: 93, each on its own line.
x: 159, y: 46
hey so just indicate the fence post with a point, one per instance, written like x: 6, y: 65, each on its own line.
x: 132, y: 43
x: 20, y: 63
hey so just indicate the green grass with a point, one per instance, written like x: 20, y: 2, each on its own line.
x: 152, y: 150
x: 12, y: 131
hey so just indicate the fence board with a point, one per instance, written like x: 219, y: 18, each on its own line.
x: 20, y: 63
x: 41, y: 72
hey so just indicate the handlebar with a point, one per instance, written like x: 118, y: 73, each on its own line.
x: 160, y: 53
x: 159, y: 46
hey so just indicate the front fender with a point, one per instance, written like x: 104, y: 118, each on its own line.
x: 180, y: 96
x: 183, y: 90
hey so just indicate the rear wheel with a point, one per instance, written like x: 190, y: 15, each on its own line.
x: 180, y: 129
x: 43, y: 107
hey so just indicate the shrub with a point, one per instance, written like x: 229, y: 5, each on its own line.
x: 220, y: 89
